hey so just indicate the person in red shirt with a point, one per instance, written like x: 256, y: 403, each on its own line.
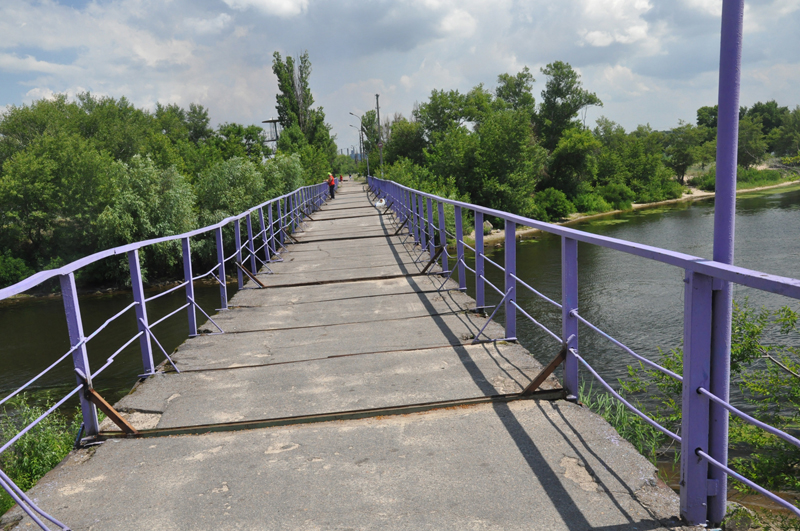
x: 332, y: 184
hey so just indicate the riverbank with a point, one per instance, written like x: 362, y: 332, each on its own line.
x: 497, y: 237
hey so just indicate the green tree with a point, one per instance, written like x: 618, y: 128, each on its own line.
x: 573, y: 162
x: 150, y: 203
x: 707, y: 117
x: 229, y: 188
x: 752, y: 144
x: 787, y: 141
x: 407, y: 140
x: 682, y: 144
x: 443, y: 110
x: 515, y: 91
x: 562, y: 100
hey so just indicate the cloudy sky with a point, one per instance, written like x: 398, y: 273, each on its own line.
x: 649, y: 61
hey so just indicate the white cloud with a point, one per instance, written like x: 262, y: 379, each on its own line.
x: 281, y: 8
x: 208, y: 25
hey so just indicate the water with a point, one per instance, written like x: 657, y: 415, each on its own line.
x: 34, y: 335
x: 637, y: 301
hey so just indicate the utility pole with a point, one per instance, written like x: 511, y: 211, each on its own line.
x: 380, y: 141
x: 361, y: 139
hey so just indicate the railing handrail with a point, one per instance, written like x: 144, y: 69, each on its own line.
x: 37, y: 278
x: 787, y: 286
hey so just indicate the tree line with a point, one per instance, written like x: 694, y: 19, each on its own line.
x: 81, y: 175
x: 500, y: 148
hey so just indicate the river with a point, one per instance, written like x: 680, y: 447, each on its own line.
x: 637, y: 301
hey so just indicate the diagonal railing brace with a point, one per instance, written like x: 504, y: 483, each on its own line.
x: 547, y: 371
x: 95, y: 398
x: 436, y: 255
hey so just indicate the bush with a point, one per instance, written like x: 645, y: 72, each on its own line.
x: 39, y: 450
x: 591, y: 203
x: 750, y: 177
x: 617, y: 195
x: 555, y: 204
x: 12, y: 270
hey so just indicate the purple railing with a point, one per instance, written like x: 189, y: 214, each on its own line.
x: 278, y: 218
x: 699, y: 461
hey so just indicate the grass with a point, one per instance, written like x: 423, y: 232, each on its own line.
x: 39, y: 450
x: 644, y: 437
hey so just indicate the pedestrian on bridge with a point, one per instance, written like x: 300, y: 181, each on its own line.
x: 332, y: 184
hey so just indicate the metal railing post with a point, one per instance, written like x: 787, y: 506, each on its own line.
x: 480, y: 300
x: 141, y: 311
x: 187, y: 273
x: 569, y: 323
x: 80, y: 359
x: 238, y: 242
x: 462, y: 281
x: 263, y: 226
x: 414, y: 219
x: 281, y: 226
x: 695, y: 485
x: 431, y: 234
x: 443, y: 236
x: 250, y: 245
x: 423, y: 239
x: 510, y: 282
x: 223, y: 287
x: 271, y: 245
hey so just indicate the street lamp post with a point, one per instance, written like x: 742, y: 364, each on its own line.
x: 361, y: 138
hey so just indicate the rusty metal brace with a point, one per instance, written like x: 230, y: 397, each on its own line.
x: 547, y: 371
x: 400, y: 227
x: 294, y: 240
x: 95, y: 398
x: 387, y: 208
x: 435, y: 257
x: 250, y: 275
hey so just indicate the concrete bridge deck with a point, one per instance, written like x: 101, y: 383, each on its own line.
x: 348, y: 325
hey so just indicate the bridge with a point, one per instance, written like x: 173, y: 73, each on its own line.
x: 352, y: 383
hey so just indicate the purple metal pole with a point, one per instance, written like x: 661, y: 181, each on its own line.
x: 223, y: 288
x: 80, y: 359
x: 443, y: 236
x: 696, y: 372
x: 510, y: 282
x: 141, y: 311
x: 414, y: 219
x: 263, y: 226
x: 480, y: 300
x: 462, y: 281
x: 237, y: 237
x: 423, y: 240
x: 569, y: 323
x: 431, y: 240
x: 250, y: 245
x: 271, y: 245
x: 730, y: 62
x: 187, y: 273
x: 280, y: 221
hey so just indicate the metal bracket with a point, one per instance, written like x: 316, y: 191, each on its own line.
x: 435, y: 257
x: 95, y: 398
x: 547, y: 371
x: 250, y: 275
x: 400, y: 227
x: 387, y: 208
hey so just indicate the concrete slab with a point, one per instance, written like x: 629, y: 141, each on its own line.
x: 333, y: 385
x: 351, y: 310
x: 235, y: 349
x: 342, y: 291
x: 519, y: 466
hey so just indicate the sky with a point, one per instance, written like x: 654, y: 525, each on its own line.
x: 649, y: 61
